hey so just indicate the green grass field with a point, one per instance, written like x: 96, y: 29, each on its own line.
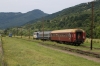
x: 96, y: 43
x: 19, y: 52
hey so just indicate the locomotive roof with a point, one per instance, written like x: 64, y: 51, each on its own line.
x: 67, y: 30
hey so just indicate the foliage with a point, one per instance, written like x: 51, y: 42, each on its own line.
x: 78, y: 16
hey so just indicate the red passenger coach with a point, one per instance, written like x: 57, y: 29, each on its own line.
x: 74, y: 36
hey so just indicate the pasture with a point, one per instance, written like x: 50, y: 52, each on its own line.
x: 96, y: 43
x: 19, y: 52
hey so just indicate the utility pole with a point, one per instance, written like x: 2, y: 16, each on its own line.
x: 21, y: 31
x: 29, y: 31
x: 92, y: 24
x: 43, y: 29
x: 17, y: 31
x: 14, y: 32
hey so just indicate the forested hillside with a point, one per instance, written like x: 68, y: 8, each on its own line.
x: 12, y: 19
x: 79, y: 16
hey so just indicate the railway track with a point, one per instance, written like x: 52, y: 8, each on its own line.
x: 75, y: 54
x: 83, y: 52
x: 89, y: 47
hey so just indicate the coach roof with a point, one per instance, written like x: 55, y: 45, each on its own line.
x: 67, y: 30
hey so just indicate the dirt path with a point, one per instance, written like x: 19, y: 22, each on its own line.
x: 1, y: 55
x: 75, y: 54
x: 0, y: 50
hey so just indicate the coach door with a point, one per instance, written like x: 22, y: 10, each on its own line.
x: 79, y: 35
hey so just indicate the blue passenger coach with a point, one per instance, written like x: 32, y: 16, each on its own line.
x: 42, y: 35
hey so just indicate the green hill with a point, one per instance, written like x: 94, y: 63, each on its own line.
x: 78, y: 16
x: 12, y: 19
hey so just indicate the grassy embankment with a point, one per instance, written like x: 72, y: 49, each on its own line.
x: 18, y: 52
x: 85, y: 46
x: 96, y: 43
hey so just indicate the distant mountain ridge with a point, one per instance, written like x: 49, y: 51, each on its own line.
x: 12, y: 19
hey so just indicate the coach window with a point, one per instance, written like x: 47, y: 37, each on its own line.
x: 66, y: 35
x: 63, y: 35
x: 69, y: 35
x: 56, y: 35
x: 52, y: 35
x: 59, y: 35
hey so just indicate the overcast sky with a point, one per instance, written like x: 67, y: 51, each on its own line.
x: 48, y: 6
